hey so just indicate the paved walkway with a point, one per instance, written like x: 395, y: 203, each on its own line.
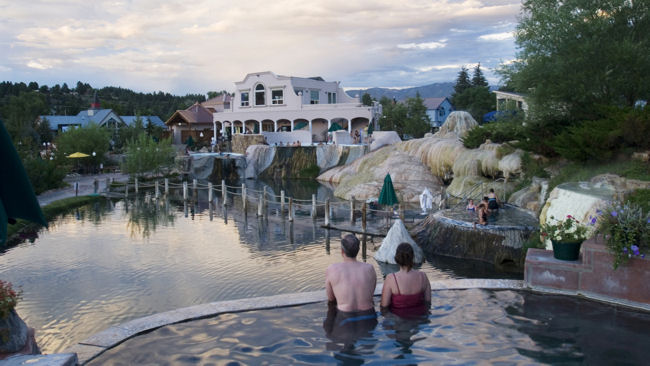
x: 85, y: 186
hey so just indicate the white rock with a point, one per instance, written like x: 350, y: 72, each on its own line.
x: 395, y: 236
x: 258, y: 158
x: 383, y: 138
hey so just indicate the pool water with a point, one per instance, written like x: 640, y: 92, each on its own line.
x: 504, y: 217
x: 114, y: 261
x: 463, y: 327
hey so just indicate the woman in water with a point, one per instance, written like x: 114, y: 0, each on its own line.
x: 470, y: 205
x: 407, y: 292
x: 482, y: 213
x: 493, y: 200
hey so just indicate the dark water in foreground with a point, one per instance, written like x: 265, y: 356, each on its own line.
x: 464, y: 327
x: 114, y: 261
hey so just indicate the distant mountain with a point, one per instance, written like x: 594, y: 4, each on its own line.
x: 435, y: 90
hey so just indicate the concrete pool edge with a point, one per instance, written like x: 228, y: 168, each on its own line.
x: 95, y: 345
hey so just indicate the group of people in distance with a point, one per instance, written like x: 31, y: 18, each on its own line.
x: 350, y: 287
x: 490, y: 204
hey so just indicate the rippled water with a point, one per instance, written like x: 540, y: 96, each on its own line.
x: 113, y: 261
x: 463, y: 327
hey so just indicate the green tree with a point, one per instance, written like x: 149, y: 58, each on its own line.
x: 44, y: 131
x: 366, y: 99
x: 417, y: 122
x: 462, y: 83
x: 578, y: 54
x: 87, y: 140
x: 144, y: 155
x: 20, y: 113
x: 478, y: 79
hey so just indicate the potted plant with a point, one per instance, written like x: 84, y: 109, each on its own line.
x: 626, y: 230
x: 566, y: 235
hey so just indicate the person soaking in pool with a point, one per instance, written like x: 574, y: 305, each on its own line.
x: 350, y: 284
x: 407, y: 292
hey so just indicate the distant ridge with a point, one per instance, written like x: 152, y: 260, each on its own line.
x: 435, y: 90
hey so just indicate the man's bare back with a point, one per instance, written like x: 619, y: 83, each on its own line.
x: 351, y: 284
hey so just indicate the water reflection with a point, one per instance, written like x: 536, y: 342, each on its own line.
x: 147, y: 214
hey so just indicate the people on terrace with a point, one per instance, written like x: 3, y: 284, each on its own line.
x: 406, y: 293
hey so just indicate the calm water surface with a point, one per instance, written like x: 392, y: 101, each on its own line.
x: 113, y: 261
x: 463, y: 327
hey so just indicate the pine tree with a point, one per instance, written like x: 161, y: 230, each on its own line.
x: 478, y: 79
x: 462, y: 82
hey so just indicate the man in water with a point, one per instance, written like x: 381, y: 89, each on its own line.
x: 350, y: 284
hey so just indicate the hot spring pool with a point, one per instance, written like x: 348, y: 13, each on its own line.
x: 463, y: 327
x: 112, y: 261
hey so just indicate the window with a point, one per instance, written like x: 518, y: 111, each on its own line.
x: 331, y: 98
x: 314, y: 97
x: 260, y: 98
x: 244, y: 99
x: 277, y: 97
x: 441, y: 112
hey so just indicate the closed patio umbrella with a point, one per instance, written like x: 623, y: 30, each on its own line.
x: 17, y: 198
x: 387, y: 195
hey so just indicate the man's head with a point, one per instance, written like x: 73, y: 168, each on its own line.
x: 350, y: 245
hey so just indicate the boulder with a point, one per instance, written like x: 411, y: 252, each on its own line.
x: 383, y: 138
x: 581, y: 200
x: 16, y: 337
x: 364, y: 178
x: 456, y: 125
x: 531, y: 197
x: 395, y: 236
x: 258, y: 158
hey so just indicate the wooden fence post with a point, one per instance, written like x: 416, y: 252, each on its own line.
x: 243, y: 196
x: 136, y: 185
x: 166, y: 186
x: 210, y: 192
x: 290, y: 208
x: 224, y: 194
x: 352, y: 210
x: 364, y: 212
x: 282, y: 202
x: 313, y: 206
x: 184, y: 191
x: 327, y: 212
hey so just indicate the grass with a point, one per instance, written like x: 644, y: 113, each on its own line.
x: 580, y: 172
x: 640, y: 197
x: 50, y: 212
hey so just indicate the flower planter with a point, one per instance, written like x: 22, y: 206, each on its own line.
x: 566, y: 251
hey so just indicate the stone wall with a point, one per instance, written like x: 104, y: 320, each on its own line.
x: 592, y: 275
x: 241, y: 142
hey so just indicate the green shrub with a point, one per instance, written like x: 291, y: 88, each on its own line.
x: 640, y: 197
x: 311, y: 171
x: 627, y: 231
x: 499, y: 132
x: 144, y: 155
x: 589, y: 140
x: 44, y: 174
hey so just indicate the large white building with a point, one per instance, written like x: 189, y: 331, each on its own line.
x: 266, y: 102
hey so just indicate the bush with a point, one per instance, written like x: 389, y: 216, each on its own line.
x: 144, y: 155
x: 500, y: 131
x: 8, y: 299
x: 627, y: 231
x: 44, y: 174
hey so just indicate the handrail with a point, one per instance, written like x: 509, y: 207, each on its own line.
x: 480, y: 184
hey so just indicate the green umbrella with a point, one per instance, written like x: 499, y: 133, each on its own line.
x: 17, y: 198
x: 189, y: 142
x: 300, y: 125
x: 371, y: 128
x: 335, y: 127
x: 387, y: 195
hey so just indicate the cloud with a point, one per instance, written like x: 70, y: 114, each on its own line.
x: 422, y: 46
x: 212, y: 43
x: 497, y: 36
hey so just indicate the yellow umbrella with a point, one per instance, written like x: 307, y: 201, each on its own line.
x: 78, y: 155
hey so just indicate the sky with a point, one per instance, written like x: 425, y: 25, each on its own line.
x: 196, y: 46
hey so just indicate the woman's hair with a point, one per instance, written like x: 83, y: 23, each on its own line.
x: 404, y: 255
x: 491, y: 190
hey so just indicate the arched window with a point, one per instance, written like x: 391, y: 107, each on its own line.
x: 260, y: 97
